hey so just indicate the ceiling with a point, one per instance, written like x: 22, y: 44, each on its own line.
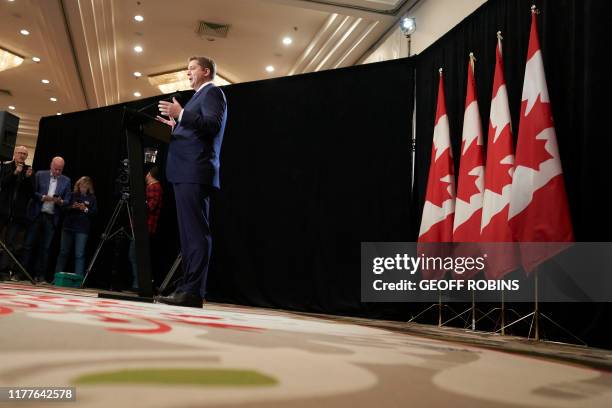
x: 87, y: 52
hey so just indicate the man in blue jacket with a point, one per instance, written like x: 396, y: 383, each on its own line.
x: 193, y: 170
x: 51, y: 189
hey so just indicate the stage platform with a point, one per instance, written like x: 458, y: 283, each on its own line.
x: 122, y: 353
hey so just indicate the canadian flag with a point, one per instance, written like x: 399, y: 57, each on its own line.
x: 498, y: 175
x: 539, y: 210
x: 437, y: 219
x: 470, y: 185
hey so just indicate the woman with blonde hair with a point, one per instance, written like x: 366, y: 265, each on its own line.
x: 81, y: 206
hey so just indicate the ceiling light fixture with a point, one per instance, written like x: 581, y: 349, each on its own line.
x: 173, y: 81
x: 138, y: 49
x: 35, y: 59
x: 139, y: 18
x: 9, y: 60
x: 25, y: 32
x: 44, y: 81
x: 137, y: 94
x: 58, y: 113
x: 11, y: 107
x: 287, y: 41
x: 270, y: 68
x: 53, y: 99
x: 137, y: 74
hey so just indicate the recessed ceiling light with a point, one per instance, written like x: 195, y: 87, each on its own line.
x: 11, y: 107
x: 137, y: 74
x: 53, y: 99
x: 35, y: 59
x: 137, y: 94
x: 270, y: 68
x: 58, y: 113
x: 287, y: 40
x: 138, y: 18
x: 138, y: 49
x: 44, y: 81
x: 25, y: 32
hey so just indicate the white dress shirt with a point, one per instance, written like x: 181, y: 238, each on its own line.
x: 49, y: 206
x: 199, y: 89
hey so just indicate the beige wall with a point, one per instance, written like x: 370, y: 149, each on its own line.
x: 434, y: 18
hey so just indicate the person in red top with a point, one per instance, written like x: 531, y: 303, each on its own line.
x: 153, y: 195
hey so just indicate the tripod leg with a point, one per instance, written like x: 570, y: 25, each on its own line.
x: 173, y: 269
x: 16, y: 261
x: 105, y: 236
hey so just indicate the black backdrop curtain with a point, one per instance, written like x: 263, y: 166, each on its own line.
x: 312, y: 165
x: 575, y: 44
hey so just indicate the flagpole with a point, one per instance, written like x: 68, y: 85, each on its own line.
x: 472, y: 60
x: 473, y: 311
x: 503, y: 300
x: 440, y: 293
x: 440, y: 300
x: 536, y: 311
x: 503, y: 315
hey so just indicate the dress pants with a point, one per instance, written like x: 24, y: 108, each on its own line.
x: 192, y: 208
x: 40, y: 234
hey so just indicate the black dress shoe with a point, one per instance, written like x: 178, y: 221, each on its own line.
x: 181, y: 299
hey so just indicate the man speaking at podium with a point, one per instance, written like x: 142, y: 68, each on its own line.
x: 193, y: 170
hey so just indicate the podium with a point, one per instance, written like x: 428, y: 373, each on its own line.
x: 136, y: 125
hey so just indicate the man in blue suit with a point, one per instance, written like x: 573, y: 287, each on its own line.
x: 51, y: 188
x: 193, y: 170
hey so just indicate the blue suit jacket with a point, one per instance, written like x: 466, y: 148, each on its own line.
x: 195, y: 147
x: 41, y: 188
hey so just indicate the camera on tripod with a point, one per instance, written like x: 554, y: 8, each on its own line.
x: 122, y: 182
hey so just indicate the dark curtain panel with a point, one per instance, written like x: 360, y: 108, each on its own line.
x: 574, y: 42
x: 312, y: 165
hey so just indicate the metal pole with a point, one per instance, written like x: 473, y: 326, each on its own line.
x: 16, y: 261
x: 536, y: 312
x: 473, y: 312
x: 439, y: 309
x: 105, y: 236
x: 503, y: 315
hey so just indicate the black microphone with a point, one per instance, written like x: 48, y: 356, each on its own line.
x: 176, y: 95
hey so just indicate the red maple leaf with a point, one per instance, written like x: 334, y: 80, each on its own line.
x: 531, y: 152
x: 436, y: 187
x: 467, y: 182
x: 497, y: 174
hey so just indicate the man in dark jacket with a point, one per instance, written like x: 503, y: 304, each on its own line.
x: 193, y: 169
x: 16, y: 189
x: 51, y: 190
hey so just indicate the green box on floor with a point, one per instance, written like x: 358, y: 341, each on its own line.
x: 69, y: 280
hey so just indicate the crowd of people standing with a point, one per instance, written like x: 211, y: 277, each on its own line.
x: 34, y: 206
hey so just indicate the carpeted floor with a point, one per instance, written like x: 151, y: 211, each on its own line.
x: 120, y: 353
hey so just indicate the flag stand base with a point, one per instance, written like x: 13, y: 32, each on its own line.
x: 535, y: 319
x: 439, y: 305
